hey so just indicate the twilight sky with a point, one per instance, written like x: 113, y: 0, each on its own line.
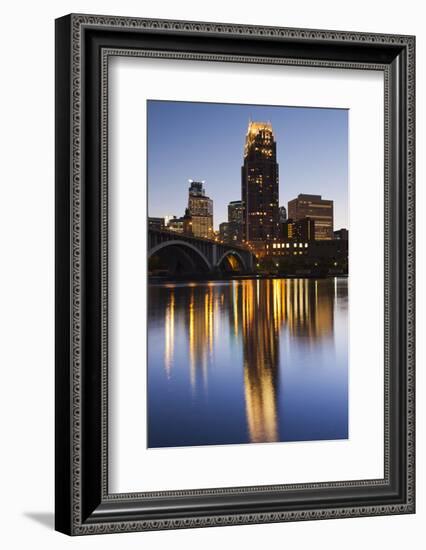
x: 205, y: 141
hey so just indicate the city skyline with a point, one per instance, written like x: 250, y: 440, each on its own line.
x: 312, y: 151
x: 221, y: 305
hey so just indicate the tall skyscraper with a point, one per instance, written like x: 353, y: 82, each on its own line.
x: 259, y: 185
x: 318, y: 209
x: 200, y: 211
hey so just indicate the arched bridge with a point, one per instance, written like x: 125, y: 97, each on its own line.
x: 180, y: 253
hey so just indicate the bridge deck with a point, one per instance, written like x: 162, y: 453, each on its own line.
x: 185, y: 236
x: 212, y: 252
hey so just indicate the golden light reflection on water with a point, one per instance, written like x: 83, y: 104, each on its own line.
x: 261, y: 360
x: 201, y: 329
x: 255, y: 312
x: 169, y: 331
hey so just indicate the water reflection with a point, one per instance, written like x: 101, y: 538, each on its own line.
x: 200, y: 330
x: 227, y: 348
x: 169, y: 330
x: 260, y: 329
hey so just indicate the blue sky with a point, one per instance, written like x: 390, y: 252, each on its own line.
x: 205, y: 141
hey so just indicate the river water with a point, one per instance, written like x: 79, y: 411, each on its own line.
x: 247, y: 361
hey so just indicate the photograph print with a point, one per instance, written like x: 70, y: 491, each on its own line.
x: 247, y: 255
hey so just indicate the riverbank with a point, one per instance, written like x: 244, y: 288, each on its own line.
x: 240, y: 277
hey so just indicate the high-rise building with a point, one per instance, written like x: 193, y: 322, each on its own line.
x: 200, y: 210
x: 259, y: 185
x: 318, y: 209
x: 283, y: 214
x: 232, y: 230
x: 236, y: 211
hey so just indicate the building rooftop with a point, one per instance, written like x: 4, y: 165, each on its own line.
x: 254, y: 128
x: 308, y: 196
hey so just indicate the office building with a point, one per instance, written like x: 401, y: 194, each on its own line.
x: 200, y: 210
x: 236, y: 211
x: 316, y: 208
x: 259, y: 186
x: 301, y: 230
x: 232, y: 231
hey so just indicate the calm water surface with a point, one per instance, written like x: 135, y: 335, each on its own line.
x: 256, y: 360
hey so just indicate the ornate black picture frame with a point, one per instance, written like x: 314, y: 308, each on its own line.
x: 83, y: 45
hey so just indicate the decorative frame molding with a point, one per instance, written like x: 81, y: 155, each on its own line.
x: 84, y: 43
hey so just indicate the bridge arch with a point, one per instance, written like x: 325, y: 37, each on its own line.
x: 179, y: 251
x: 235, y: 254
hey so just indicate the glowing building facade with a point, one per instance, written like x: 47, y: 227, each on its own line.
x: 302, y: 230
x: 259, y: 186
x: 317, y: 209
x: 200, y: 211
